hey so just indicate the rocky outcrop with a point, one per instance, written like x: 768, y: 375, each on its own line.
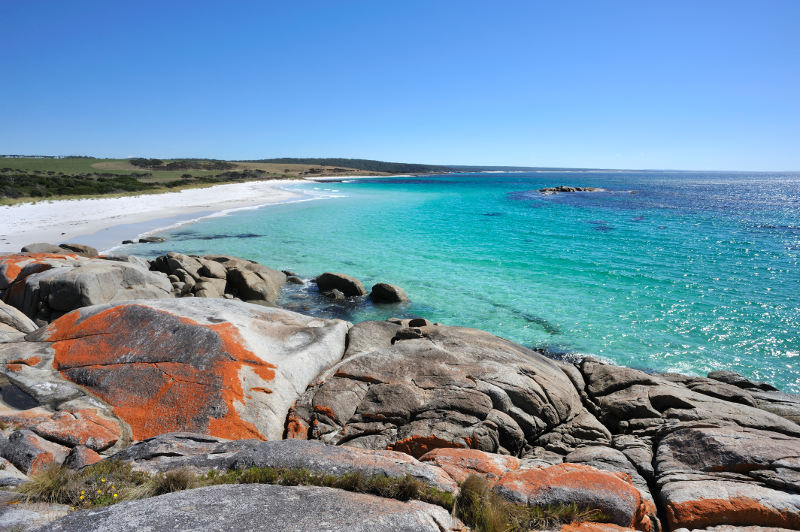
x: 80, y: 249
x: 394, y: 398
x: 41, y: 247
x: 711, y: 475
x: 414, y: 389
x: 564, y: 188
x: 254, y: 506
x: 220, y: 276
x: 714, y: 456
x: 387, y: 293
x: 220, y: 367
x: 347, y: 285
x: 45, y: 287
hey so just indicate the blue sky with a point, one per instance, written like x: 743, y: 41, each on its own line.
x: 672, y: 84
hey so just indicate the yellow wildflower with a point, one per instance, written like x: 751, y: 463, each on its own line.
x: 102, y: 480
x: 81, y: 498
x: 115, y: 495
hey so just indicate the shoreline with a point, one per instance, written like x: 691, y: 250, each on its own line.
x: 104, y: 222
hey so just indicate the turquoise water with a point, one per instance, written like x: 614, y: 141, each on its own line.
x: 687, y: 272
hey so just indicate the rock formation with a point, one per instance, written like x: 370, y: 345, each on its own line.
x: 197, y: 383
x: 46, y: 286
x: 220, y: 276
x: 564, y: 188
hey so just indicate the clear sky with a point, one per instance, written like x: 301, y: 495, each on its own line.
x: 620, y: 84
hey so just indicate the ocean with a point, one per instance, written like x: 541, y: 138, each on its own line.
x: 664, y: 271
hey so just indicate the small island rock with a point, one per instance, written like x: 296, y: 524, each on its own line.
x: 387, y: 293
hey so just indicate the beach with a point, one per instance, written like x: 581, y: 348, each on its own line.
x: 103, y: 222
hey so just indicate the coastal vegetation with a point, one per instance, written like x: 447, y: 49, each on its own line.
x: 363, y: 164
x: 476, y: 504
x: 33, y: 178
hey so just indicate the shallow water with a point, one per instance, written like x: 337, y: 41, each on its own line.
x: 687, y: 272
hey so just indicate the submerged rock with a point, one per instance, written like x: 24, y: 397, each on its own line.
x: 564, y: 188
x: 349, y: 286
x: 387, y: 293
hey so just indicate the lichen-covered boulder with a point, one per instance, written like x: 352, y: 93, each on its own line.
x: 31, y: 453
x: 414, y: 389
x: 11, y: 265
x: 461, y: 463
x: 45, y: 287
x: 611, y: 493
x: 522, y: 481
x: 220, y: 367
x: 729, y: 475
x: 69, y: 427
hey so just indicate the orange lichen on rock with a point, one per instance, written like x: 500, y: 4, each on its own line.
x: 261, y: 389
x: 26, y: 418
x: 70, y: 428
x: 160, y: 372
x: 80, y: 427
x: 734, y: 511
x: 540, y: 479
x: 461, y: 463
x: 417, y: 446
x: 296, y: 428
x: 543, y: 482
x: 12, y: 265
x: 325, y: 410
x: 594, y: 527
x: 17, y: 363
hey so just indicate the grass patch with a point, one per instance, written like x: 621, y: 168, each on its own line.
x: 479, y: 507
x: 110, y: 481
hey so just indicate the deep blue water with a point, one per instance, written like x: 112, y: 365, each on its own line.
x: 679, y: 271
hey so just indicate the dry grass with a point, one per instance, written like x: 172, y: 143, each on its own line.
x: 485, y: 511
x: 109, y: 482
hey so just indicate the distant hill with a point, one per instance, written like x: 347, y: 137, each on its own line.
x: 361, y: 164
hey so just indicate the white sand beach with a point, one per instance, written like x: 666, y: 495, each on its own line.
x: 90, y: 221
